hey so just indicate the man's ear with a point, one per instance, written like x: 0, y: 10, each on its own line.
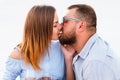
x: 81, y: 26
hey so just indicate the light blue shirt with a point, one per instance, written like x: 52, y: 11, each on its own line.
x: 52, y: 64
x: 96, y: 61
x: 14, y: 68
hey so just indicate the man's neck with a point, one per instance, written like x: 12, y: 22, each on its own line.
x: 81, y: 41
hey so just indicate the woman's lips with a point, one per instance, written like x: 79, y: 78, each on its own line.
x: 59, y: 34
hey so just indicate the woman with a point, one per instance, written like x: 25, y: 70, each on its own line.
x: 39, y: 52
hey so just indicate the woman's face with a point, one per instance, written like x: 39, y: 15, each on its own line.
x: 55, y: 27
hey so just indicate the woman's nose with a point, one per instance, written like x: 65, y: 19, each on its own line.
x: 60, y: 26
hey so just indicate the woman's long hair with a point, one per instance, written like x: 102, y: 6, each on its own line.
x: 37, y: 34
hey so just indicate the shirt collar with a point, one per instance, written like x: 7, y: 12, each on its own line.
x: 85, y: 51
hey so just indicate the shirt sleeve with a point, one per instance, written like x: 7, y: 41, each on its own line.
x: 97, y: 70
x: 12, y: 69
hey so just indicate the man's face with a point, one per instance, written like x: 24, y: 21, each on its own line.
x: 68, y: 31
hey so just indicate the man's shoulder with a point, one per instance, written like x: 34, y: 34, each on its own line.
x: 110, y: 62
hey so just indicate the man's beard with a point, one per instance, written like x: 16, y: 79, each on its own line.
x: 68, y: 39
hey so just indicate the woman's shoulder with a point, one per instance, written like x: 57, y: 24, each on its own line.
x: 13, y: 66
x: 15, y: 54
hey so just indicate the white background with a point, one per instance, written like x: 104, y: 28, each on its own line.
x: 13, y: 14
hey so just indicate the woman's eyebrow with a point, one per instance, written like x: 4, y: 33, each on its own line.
x: 56, y: 21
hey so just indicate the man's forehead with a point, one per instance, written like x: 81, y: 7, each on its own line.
x: 70, y: 13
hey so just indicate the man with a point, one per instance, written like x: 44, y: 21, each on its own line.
x: 93, y: 59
